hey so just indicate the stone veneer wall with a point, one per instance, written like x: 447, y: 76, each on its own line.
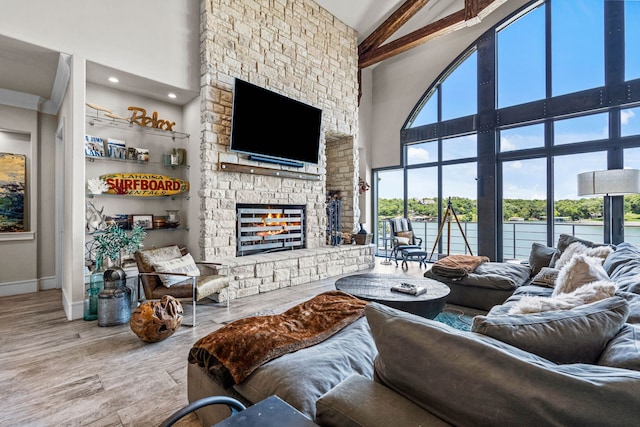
x: 343, y: 177
x: 295, y: 48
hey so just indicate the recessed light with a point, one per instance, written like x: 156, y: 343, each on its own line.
x: 113, y: 80
x: 172, y: 95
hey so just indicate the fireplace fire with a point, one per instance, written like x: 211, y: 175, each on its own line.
x: 269, y: 228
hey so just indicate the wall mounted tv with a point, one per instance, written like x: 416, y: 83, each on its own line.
x: 273, y: 128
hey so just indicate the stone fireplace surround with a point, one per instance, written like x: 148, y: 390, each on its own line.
x: 300, y: 50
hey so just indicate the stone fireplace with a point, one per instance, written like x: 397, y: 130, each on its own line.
x: 269, y: 228
x: 298, y: 49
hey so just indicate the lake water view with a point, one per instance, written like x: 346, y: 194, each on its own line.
x: 517, y: 236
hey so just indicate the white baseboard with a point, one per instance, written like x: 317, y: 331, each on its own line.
x: 46, y: 283
x: 19, y: 287
x: 73, y: 310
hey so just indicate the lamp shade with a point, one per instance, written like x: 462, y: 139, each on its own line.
x: 612, y: 182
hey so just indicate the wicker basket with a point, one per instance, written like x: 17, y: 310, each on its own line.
x: 362, y: 239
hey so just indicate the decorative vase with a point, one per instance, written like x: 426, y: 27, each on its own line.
x: 114, y: 301
x: 96, y: 284
x: 173, y: 218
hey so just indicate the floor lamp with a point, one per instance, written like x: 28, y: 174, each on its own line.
x: 608, y: 183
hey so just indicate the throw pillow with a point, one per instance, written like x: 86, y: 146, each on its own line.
x: 578, y: 335
x: 580, y: 270
x: 576, y: 248
x: 407, y: 237
x: 458, y: 376
x: 566, y: 239
x: 563, y: 243
x: 402, y: 240
x: 184, y: 265
x: 539, y: 257
x: 546, y: 277
x: 623, y: 351
x: 148, y: 257
x: 586, y: 294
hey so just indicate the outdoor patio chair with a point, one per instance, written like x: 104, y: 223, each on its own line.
x: 403, y: 237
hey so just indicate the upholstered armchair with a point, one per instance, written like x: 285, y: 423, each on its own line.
x: 402, y: 237
x: 172, y: 271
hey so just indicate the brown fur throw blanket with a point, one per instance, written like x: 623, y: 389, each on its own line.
x: 234, y: 351
x: 457, y: 266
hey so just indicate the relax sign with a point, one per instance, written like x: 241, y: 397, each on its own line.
x: 144, y: 184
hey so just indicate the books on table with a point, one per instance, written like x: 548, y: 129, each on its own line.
x: 408, y: 288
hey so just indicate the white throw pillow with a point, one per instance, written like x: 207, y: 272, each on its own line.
x: 591, y: 292
x: 576, y: 248
x: 573, y: 249
x: 185, y: 265
x: 580, y: 270
x: 599, y: 252
x: 402, y: 240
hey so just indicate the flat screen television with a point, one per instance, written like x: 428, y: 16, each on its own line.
x: 270, y: 125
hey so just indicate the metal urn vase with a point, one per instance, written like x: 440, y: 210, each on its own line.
x: 114, y: 301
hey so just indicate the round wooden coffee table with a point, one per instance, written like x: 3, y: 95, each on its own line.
x: 377, y: 287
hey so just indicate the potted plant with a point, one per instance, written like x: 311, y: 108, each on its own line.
x: 114, y: 242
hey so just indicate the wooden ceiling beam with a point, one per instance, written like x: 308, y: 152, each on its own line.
x: 422, y: 35
x: 471, y: 9
x: 443, y: 26
x: 391, y: 25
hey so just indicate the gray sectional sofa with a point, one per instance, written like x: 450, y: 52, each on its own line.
x: 392, y: 368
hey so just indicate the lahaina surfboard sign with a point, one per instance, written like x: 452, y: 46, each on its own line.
x: 144, y: 184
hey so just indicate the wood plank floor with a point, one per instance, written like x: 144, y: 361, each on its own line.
x: 54, y: 372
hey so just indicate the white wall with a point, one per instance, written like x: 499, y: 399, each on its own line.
x: 157, y: 39
x: 191, y: 118
x: 365, y: 142
x: 16, y: 275
x: 399, y: 83
x: 47, y: 125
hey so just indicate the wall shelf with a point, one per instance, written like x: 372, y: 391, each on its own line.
x: 234, y: 167
x: 171, y: 229
x: 137, y: 162
x: 171, y: 196
x: 132, y: 127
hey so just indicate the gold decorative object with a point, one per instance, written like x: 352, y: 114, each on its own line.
x: 139, y: 117
x: 116, y: 116
x: 97, y: 107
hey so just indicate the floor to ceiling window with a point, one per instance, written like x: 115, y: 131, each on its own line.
x: 388, y: 186
x: 552, y: 91
x: 524, y: 206
x: 582, y: 217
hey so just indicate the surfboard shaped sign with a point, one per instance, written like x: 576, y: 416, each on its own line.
x: 144, y: 184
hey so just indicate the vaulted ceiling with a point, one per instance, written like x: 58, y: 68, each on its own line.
x: 31, y: 75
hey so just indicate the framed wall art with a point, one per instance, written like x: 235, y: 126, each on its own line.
x: 143, y: 221
x: 13, y: 174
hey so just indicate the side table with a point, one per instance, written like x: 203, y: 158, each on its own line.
x: 387, y: 260
x: 270, y: 412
